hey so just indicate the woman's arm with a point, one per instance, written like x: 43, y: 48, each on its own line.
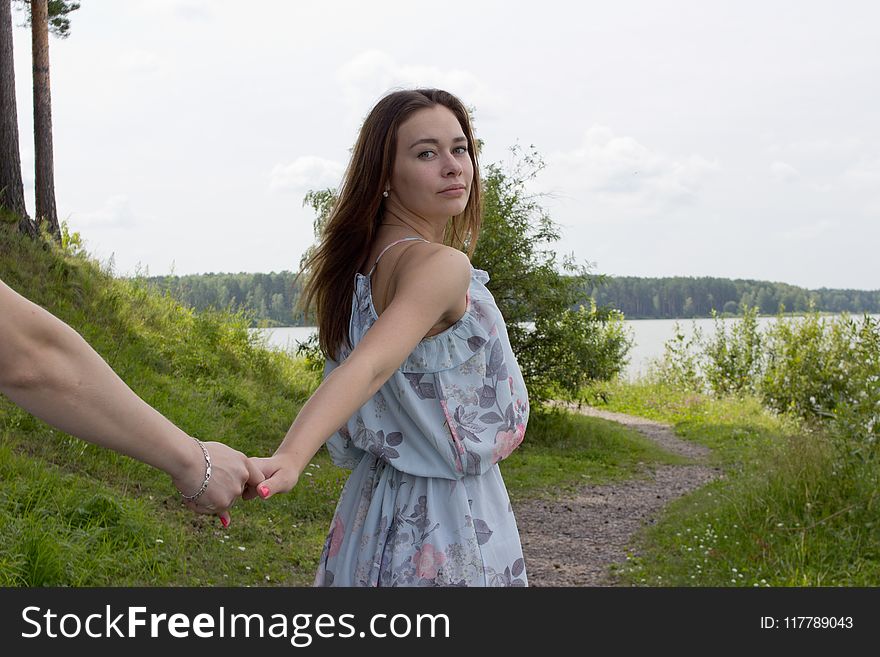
x: 424, y: 294
x: 49, y: 370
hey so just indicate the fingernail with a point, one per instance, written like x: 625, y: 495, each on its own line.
x: 224, y: 521
x: 264, y: 491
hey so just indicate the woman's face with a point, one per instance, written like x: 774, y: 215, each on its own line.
x: 432, y: 157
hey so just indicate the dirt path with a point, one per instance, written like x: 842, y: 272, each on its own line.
x: 573, y: 541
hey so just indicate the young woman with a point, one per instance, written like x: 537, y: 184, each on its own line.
x: 422, y: 395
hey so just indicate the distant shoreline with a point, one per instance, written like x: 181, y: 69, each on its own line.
x: 642, y: 319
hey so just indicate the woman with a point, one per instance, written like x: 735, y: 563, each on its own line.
x: 422, y: 394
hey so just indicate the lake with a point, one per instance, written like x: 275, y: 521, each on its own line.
x: 649, y: 337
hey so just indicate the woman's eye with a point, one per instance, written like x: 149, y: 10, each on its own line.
x: 426, y: 153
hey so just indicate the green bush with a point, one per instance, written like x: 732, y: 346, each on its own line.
x: 804, y: 372
x: 825, y: 370
x: 733, y: 362
x: 680, y: 367
x: 576, y: 348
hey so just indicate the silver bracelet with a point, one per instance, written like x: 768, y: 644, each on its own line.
x: 190, y: 498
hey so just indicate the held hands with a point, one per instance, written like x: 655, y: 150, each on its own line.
x: 233, y: 475
x: 279, y: 475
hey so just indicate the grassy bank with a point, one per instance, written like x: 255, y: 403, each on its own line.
x: 75, y: 514
x: 72, y: 513
x: 787, y: 513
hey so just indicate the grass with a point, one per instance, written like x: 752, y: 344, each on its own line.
x: 786, y: 513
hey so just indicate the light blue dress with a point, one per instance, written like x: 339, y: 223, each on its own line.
x: 425, y: 504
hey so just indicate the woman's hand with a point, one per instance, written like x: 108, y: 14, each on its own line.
x: 280, y: 474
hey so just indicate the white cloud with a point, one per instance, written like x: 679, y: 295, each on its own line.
x: 807, y: 232
x: 306, y: 172
x: 191, y: 10
x: 864, y: 175
x: 138, y: 61
x: 825, y: 146
x: 622, y: 170
x: 115, y: 213
x: 371, y: 74
x: 784, y: 171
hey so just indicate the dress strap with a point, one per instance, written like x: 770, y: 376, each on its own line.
x: 402, y: 239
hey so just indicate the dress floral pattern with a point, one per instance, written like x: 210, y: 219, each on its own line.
x: 425, y: 504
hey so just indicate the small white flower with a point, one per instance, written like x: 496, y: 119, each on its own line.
x: 159, y: 540
x: 241, y: 547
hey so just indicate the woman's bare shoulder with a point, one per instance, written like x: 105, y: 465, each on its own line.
x: 433, y: 259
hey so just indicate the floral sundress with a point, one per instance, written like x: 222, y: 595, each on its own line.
x: 425, y: 504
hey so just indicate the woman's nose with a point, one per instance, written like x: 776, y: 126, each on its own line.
x: 451, y: 165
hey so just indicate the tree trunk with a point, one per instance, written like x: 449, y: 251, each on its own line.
x: 45, y: 177
x: 11, y: 188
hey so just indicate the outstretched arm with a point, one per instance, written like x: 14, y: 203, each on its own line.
x: 423, y: 296
x: 49, y: 370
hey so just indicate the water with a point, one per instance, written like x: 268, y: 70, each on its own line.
x: 649, y: 337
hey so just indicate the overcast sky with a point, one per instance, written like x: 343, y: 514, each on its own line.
x: 736, y: 139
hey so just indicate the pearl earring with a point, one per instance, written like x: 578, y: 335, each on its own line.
x: 385, y: 193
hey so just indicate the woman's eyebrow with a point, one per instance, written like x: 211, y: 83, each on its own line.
x: 436, y: 141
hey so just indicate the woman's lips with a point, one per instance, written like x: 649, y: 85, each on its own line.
x: 457, y: 191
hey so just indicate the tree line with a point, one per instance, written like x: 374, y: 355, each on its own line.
x: 270, y: 299
x: 687, y: 297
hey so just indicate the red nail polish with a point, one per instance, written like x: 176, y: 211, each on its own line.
x: 224, y: 521
x: 264, y: 492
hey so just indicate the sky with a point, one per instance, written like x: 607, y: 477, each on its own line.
x: 735, y: 139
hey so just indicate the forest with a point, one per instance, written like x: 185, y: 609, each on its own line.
x: 270, y: 299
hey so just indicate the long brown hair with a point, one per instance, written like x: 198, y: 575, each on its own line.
x: 352, y: 224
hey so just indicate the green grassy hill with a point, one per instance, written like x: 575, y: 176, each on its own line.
x: 75, y: 514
